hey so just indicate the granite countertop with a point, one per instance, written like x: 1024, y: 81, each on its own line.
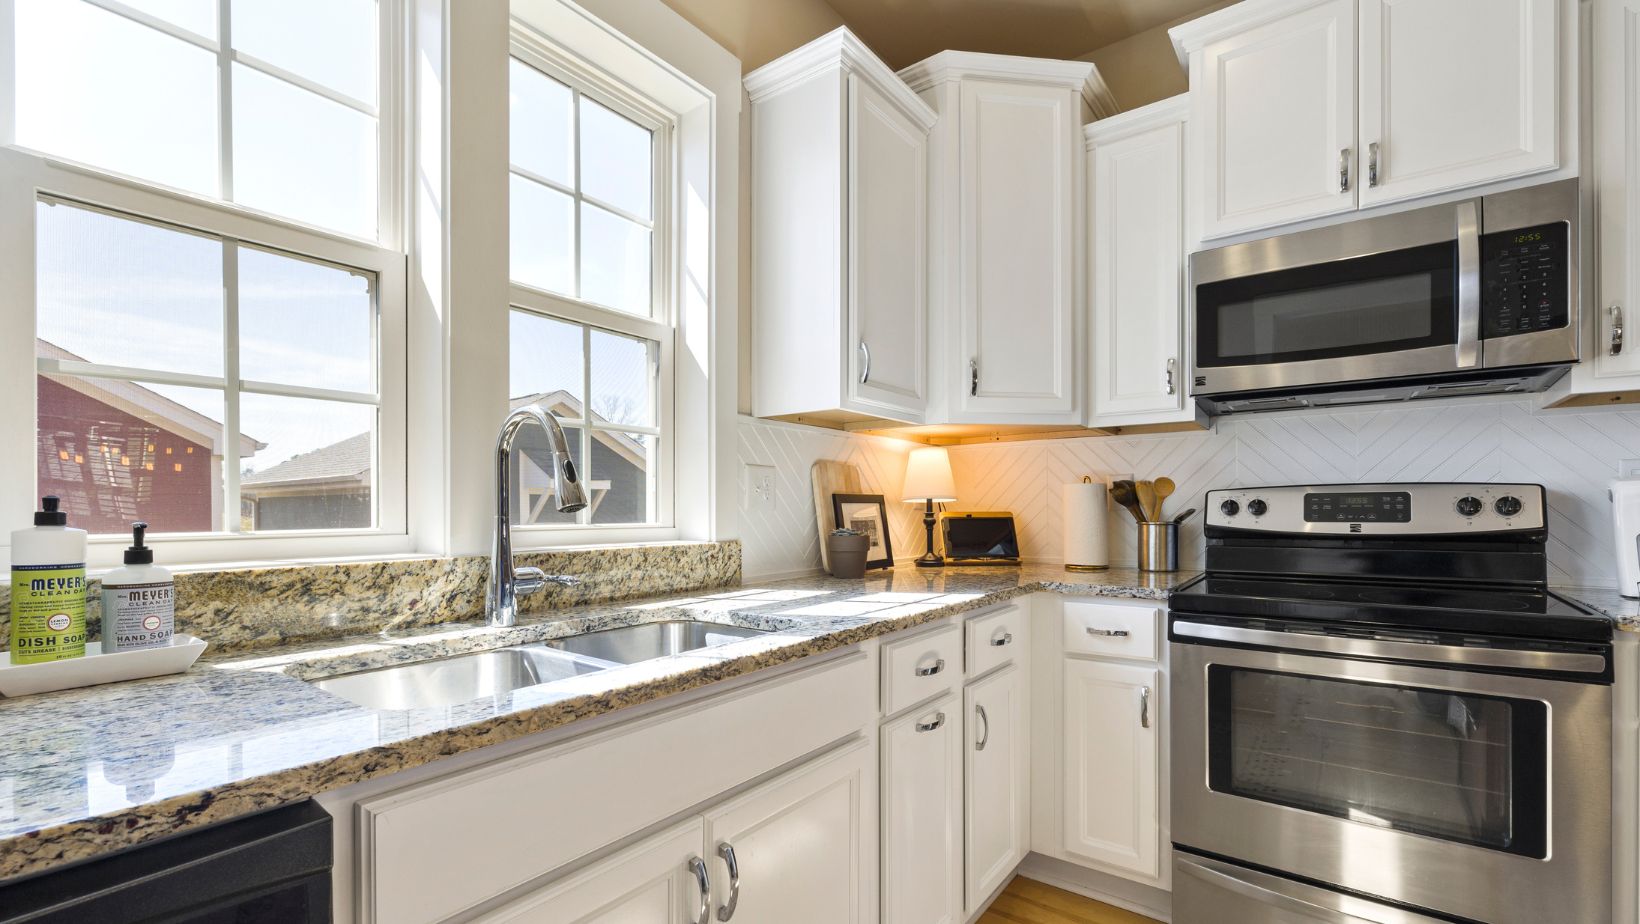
x: 86, y: 772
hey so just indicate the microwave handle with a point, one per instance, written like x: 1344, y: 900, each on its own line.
x: 1469, y: 285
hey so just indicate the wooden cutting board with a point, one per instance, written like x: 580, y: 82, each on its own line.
x: 830, y: 478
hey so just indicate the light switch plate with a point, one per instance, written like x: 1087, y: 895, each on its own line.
x: 760, y: 488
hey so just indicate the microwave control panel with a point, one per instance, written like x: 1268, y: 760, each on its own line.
x: 1524, y: 284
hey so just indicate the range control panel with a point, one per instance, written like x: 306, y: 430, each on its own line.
x: 1379, y: 509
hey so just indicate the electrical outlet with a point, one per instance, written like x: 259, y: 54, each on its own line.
x: 1628, y: 468
x: 760, y: 492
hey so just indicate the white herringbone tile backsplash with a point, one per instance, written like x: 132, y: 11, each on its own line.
x: 1575, y: 454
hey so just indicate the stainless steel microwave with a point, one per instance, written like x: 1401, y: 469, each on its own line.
x: 1472, y: 297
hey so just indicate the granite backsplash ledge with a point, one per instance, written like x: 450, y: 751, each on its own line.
x: 247, y: 608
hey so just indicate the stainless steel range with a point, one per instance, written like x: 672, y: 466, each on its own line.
x: 1382, y: 714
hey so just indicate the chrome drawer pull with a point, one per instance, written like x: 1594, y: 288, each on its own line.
x: 931, y: 726
x: 704, y: 881
x: 728, y: 854
x: 1108, y: 633
x: 1002, y: 640
x: 931, y: 670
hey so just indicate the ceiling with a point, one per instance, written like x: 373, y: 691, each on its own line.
x: 904, y: 32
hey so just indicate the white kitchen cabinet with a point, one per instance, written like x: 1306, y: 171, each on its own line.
x: 921, y: 799
x: 1273, y: 111
x: 1112, y: 765
x: 996, y: 811
x: 839, y: 237
x: 1136, y: 241
x: 1455, y: 94
x: 653, y: 882
x: 1005, y: 274
x: 800, y: 849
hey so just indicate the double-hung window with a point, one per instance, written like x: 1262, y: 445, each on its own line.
x: 206, y: 195
x: 592, y: 324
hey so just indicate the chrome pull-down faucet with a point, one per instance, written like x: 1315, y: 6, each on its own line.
x: 506, y: 583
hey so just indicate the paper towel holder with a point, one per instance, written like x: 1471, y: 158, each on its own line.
x: 1084, y: 569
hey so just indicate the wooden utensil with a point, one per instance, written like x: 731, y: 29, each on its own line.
x: 1123, y: 493
x: 1147, y: 499
x: 1164, y: 489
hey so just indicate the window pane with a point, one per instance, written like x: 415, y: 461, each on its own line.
x: 126, y: 293
x: 197, y: 16
x: 313, y: 465
x: 303, y: 156
x: 533, y: 500
x: 542, y: 132
x: 304, y: 323
x: 620, y: 483
x: 542, y: 246
x: 623, y: 375
x: 330, y: 42
x: 96, y: 87
x: 614, y: 261
x: 117, y: 452
x: 615, y: 159
x: 545, y: 364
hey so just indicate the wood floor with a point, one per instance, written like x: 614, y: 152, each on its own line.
x: 1027, y: 901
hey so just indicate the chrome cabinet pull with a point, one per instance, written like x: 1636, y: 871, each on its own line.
x: 939, y: 719
x: 704, y: 881
x: 985, y: 727
x: 973, y: 377
x: 1616, y: 311
x: 933, y: 669
x: 1144, y: 707
x: 1108, y: 633
x: 1372, y: 164
x: 1343, y: 170
x: 865, y: 367
x: 728, y: 854
x: 1002, y: 640
x: 1172, y: 366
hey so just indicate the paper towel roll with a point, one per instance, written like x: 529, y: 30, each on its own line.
x: 1085, y: 538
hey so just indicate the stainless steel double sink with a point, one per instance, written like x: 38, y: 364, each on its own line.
x: 464, y: 678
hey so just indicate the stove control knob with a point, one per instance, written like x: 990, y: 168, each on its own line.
x: 1507, y: 506
x: 1257, y: 507
x: 1229, y: 508
x: 1470, y: 506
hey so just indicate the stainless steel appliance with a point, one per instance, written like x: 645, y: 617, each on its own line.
x: 1381, y: 713
x: 1471, y: 297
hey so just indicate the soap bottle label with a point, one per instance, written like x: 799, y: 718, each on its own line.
x: 138, y: 616
x: 47, y: 612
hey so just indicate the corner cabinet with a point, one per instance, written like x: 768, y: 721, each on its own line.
x: 1308, y: 108
x: 1136, y: 184
x: 839, y: 237
x: 1005, y: 274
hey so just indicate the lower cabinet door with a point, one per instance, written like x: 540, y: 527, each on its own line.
x: 997, y: 798
x: 1112, y: 765
x: 656, y: 881
x: 794, y: 850
x: 922, y: 816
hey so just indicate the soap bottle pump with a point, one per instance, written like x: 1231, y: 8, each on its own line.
x: 138, y: 600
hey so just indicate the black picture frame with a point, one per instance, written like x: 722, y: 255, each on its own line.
x: 847, y: 513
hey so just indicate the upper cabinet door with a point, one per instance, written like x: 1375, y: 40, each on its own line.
x: 1019, y: 151
x: 887, y: 254
x: 1456, y: 93
x: 1616, y: 348
x: 1276, y: 115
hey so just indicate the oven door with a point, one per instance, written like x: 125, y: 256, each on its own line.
x: 1478, y: 794
x: 1377, y: 298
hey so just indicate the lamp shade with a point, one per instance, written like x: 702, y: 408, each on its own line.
x: 928, y: 476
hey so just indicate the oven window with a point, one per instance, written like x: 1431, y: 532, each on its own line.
x: 1462, y: 768
x: 1400, y: 300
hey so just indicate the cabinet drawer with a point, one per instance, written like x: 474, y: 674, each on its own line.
x: 994, y: 639
x: 1112, y: 630
x: 920, y: 668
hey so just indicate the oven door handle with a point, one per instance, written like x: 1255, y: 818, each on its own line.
x: 1564, y: 661
x: 1469, y: 285
x: 1271, y: 890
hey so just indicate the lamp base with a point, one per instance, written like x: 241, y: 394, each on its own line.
x: 930, y: 560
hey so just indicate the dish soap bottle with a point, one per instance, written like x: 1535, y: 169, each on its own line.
x: 138, y: 600
x: 47, y: 588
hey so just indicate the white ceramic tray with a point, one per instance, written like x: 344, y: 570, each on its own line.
x: 96, y: 667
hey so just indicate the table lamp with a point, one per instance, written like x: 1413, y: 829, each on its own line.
x: 928, y: 481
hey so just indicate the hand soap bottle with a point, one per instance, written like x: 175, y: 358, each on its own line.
x: 138, y: 600
x: 47, y: 588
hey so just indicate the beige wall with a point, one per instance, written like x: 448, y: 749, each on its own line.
x: 1143, y: 68
x: 756, y: 32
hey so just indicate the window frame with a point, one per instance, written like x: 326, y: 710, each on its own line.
x: 27, y: 176
x: 660, y: 326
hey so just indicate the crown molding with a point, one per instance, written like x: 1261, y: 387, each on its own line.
x: 842, y: 50
x: 1175, y: 110
x: 1234, y: 19
x: 1080, y: 76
